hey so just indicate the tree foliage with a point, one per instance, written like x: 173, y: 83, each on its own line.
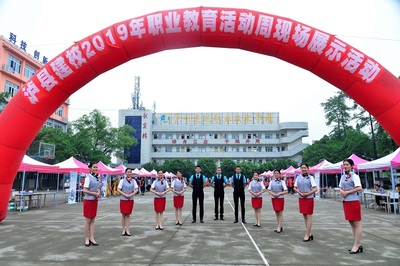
x: 89, y: 139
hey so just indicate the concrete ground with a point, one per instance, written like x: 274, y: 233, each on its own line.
x: 54, y: 236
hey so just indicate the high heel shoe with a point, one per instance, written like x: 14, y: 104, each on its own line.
x: 359, y: 250
x: 311, y: 237
x: 88, y: 245
x: 92, y: 243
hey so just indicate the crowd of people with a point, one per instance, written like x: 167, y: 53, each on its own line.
x: 304, y: 186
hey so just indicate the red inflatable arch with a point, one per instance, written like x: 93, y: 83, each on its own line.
x: 355, y: 73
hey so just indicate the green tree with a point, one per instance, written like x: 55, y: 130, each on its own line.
x: 4, y: 98
x: 337, y: 113
x: 208, y: 166
x: 186, y: 166
x: 151, y: 165
x: 228, y: 167
x: 95, y: 140
x: 62, y: 141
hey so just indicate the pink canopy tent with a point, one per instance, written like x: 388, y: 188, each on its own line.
x: 390, y: 161
x: 338, y: 167
x: 144, y: 173
x: 319, y: 167
x: 122, y: 168
x: 104, y: 169
x: 31, y: 165
x: 153, y: 173
x: 72, y: 165
x: 289, y: 171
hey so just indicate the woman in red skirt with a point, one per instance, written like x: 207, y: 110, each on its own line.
x: 159, y: 188
x: 305, y: 186
x: 91, y: 190
x: 277, y: 188
x: 350, y: 185
x: 256, y: 188
x: 178, y: 187
x: 127, y: 188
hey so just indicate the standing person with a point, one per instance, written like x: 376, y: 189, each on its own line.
x: 239, y: 182
x: 91, y: 190
x: 305, y: 186
x: 349, y: 186
x: 256, y: 188
x: 178, y: 187
x: 290, y: 184
x: 197, y: 182
x: 218, y: 182
x: 127, y: 188
x: 159, y: 188
x: 277, y: 188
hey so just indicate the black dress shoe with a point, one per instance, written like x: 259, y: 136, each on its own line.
x: 236, y: 221
x: 193, y: 221
x: 359, y: 250
x: 222, y: 218
x: 92, y: 243
x: 244, y: 221
x: 201, y: 221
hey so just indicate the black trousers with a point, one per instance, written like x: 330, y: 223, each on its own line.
x: 236, y: 196
x: 219, y: 200
x: 195, y: 196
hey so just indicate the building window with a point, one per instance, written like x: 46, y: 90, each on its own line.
x: 202, y: 149
x: 168, y: 136
x: 249, y: 136
x: 29, y: 72
x: 14, y: 64
x: 215, y: 136
x: 155, y: 149
x: 11, y: 88
x: 59, y: 111
x: 202, y: 136
x: 277, y: 135
x: 155, y: 136
x: 182, y: 136
x: 283, y: 148
x: 188, y: 149
x: 168, y: 149
x: 268, y: 135
x: 235, y: 135
x: 268, y: 149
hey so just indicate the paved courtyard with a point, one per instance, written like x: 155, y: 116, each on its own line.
x: 54, y: 236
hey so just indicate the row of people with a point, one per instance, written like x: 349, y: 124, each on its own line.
x: 305, y: 187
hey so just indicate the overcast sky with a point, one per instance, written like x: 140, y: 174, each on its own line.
x: 190, y: 80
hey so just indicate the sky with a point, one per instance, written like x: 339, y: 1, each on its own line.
x: 207, y: 79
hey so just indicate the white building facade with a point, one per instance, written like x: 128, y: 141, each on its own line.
x: 251, y: 136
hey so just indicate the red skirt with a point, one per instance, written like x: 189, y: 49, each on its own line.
x: 178, y: 201
x: 90, y: 208
x: 306, y: 205
x: 352, y: 210
x: 256, y: 203
x: 159, y: 204
x: 126, y: 206
x: 278, y: 204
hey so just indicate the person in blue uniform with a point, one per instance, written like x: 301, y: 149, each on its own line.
x: 218, y: 182
x: 197, y: 182
x: 349, y: 186
x: 91, y: 191
x: 178, y: 187
x: 256, y: 188
x: 305, y: 186
x: 127, y: 188
x: 159, y: 188
x: 239, y: 182
x: 277, y: 188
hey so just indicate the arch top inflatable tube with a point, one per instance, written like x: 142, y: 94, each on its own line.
x: 350, y: 70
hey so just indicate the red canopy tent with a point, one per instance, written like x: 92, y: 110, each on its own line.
x: 31, y: 165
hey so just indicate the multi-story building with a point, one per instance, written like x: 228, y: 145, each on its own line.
x: 252, y: 136
x: 17, y: 67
